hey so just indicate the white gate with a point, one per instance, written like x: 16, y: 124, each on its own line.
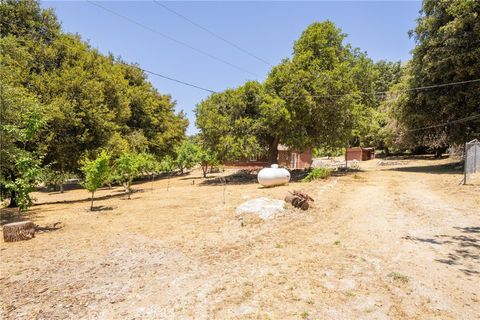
x: 472, y: 161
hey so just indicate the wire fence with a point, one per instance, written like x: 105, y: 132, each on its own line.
x: 472, y: 161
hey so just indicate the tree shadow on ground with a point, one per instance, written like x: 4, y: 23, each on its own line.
x: 101, y: 208
x: 464, y: 249
x: 413, y: 157
x: 249, y: 176
x: 450, y: 168
x: 9, y: 215
x: 48, y: 228
x: 88, y: 199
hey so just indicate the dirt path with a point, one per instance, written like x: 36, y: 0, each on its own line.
x: 381, y: 244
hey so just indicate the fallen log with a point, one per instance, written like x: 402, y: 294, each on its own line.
x: 17, y: 231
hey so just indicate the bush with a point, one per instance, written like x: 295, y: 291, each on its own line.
x: 318, y: 173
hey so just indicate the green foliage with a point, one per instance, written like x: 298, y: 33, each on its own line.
x: 21, y: 119
x: 90, y: 101
x: 187, y: 156
x: 326, y: 152
x: 51, y: 177
x: 309, y: 101
x: 318, y: 173
x: 131, y: 165
x: 447, y: 51
x: 206, y: 158
x: 97, y: 172
x: 167, y: 164
x: 25, y: 181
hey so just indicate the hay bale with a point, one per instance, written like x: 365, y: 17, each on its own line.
x: 17, y: 231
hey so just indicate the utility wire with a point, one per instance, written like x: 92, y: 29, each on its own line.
x: 170, y: 38
x: 378, y: 93
x: 169, y: 78
x: 164, y: 76
x: 212, y: 33
x: 448, y: 123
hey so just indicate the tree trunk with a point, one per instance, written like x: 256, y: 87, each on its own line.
x: 61, y: 187
x: 91, y: 204
x: 273, y: 150
x: 17, y: 231
x: 13, y: 200
x: 438, y: 153
x: 205, y: 169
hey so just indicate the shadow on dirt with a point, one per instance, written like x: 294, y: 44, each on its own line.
x: 13, y: 215
x: 9, y: 215
x: 464, y: 249
x: 101, y: 208
x: 49, y: 228
x: 455, y: 168
x: 249, y: 176
x: 413, y: 157
x: 108, y: 196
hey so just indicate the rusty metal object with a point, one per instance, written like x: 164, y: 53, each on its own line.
x: 299, y: 199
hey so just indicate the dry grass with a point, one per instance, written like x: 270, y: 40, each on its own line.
x: 183, y: 254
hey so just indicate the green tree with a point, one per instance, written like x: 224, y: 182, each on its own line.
x: 24, y: 183
x: 92, y: 101
x: 127, y: 167
x: 187, y: 156
x: 21, y: 119
x: 206, y: 158
x: 308, y: 101
x: 97, y: 173
x: 51, y: 177
x: 448, y: 50
x: 167, y: 165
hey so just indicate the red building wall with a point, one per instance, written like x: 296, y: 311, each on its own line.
x: 289, y: 159
x: 295, y: 160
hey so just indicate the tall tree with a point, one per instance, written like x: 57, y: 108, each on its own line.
x: 91, y: 101
x: 306, y: 101
x: 448, y: 50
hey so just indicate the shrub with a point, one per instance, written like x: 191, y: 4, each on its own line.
x: 318, y: 173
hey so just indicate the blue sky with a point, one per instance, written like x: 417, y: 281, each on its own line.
x: 267, y: 29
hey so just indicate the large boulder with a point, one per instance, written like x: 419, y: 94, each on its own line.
x: 264, y: 208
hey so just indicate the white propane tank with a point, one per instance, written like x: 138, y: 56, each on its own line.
x: 273, y: 176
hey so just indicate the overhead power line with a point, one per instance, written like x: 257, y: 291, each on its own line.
x: 469, y: 118
x: 170, y: 38
x: 378, y: 93
x: 171, y: 79
x: 213, y: 33
x: 166, y: 77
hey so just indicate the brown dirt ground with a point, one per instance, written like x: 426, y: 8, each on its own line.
x: 391, y: 242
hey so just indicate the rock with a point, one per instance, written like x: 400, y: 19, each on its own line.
x: 264, y: 208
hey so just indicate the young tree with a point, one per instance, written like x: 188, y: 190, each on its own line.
x: 96, y: 172
x: 206, y: 158
x: 51, y: 177
x: 187, y: 156
x: 127, y: 167
x: 167, y: 164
